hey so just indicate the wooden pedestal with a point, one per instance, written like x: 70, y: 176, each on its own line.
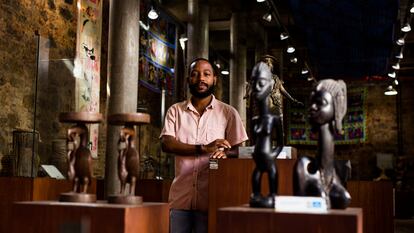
x: 14, y: 189
x: 51, y: 216
x: 246, y: 220
x: 230, y: 184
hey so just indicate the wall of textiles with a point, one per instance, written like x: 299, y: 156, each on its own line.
x: 156, y: 52
x: 354, y: 122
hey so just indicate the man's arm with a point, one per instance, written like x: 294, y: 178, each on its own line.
x: 170, y: 145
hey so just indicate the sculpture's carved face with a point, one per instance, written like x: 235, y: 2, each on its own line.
x: 262, y: 87
x: 321, y: 110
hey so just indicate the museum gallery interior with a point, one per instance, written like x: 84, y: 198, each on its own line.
x: 85, y: 86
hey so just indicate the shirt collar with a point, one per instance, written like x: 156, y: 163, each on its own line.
x: 209, y: 106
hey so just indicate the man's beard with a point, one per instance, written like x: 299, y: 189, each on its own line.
x: 195, y: 93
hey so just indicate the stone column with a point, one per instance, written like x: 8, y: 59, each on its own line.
x: 238, y: 64
x: 197, y: 29
x: 122, y: 77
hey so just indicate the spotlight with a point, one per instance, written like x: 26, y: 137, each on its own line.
x: 152, y: 14
x: 305, y: 71
x: 390, y: 91
x: 267, y: 17
x: 396, y: 82
x: 406, y: 28
x: 399, y: 55
x: 284, y: 36
x: 290, y: 49
x: 225, y: 72
x: 392, y: 74
x: 294, y: 60
x: 396, y: 66
x: 182, y: 42
x: 260, y: 0
x: 400, y: 41
x: 412, y: 9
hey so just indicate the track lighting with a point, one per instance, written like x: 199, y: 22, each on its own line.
x: 294, y: 60
x: 406, y: 28
x: 396, y: 66
x: 290, y: 49
x: 392, y: 74
x: 305, y: 71
x: 401, y: 41
x: 225, y: 72
x: 284, y: 36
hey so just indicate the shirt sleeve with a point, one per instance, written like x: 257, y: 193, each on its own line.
x: 235, y: 131
x: 169, y: 122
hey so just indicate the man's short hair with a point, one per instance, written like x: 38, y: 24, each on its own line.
x: 193, y: 62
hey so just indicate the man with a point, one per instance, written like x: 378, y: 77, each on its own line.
x: 196, y: 130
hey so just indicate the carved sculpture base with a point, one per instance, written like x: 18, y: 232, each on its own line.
x: 262, y: 202
x: 77, y: 197
x: 125, y: 199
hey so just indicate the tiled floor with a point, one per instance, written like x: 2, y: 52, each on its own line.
x: 404, y: 226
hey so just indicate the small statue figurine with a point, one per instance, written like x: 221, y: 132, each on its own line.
x: 278, y: 91
x: 318, y: 177
x: 264, y: 154
x: 128, y: 160
x: 80, y: 158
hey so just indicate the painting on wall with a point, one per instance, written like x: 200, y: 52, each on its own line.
x: 354, y: 122
x: 156, y: 52
x: 87, y: 63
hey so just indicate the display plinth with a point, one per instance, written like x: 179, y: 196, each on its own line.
x: 53, y: 216
x: 244, y: 219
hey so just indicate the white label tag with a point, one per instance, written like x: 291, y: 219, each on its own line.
x: 301, y: 204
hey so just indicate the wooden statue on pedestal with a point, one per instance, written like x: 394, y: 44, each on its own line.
x: 128, y: 158
x: 317, y: 177
x: 79, y: 155
x: 264, y: 154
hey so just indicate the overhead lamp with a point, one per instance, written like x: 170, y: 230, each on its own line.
x: 143, y: 25
x: 225, y: 72
x: 261, y: 0
x: 396, y: 66
x: 284, y: 36
x: 412, y: 9
x: 182, y: 42
x: 290, y: 49
x: 392, y: 74
x: 390, y: 91
x: 395, y: 82
x: 406, y: 28
x: 310, y: 78
x: 294, y: 60
x: 152, y: 14
x: 305, y: 71
x: 399, y: 55
x: 401, y: 41
x: 267, y: 17
x: 217, y: 64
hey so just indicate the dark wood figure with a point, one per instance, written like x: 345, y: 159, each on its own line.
x: 128, y: 160
x: 80, y: 158
x: 318, y: 177
x: 264, y: 154
x: 128, y: 156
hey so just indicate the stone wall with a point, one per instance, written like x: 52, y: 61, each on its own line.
x: 55, y: 21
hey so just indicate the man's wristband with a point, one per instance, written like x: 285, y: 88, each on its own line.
x: 199, y: 149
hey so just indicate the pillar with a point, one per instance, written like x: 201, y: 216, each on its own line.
x: 122, y: 78
x: 197, y: 29
x: 238, y: 64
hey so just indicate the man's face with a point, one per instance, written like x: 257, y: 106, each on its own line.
x: 322, y: 107
x: 202, y: 79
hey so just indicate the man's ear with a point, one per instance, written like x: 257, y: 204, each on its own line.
x: 215, y: 80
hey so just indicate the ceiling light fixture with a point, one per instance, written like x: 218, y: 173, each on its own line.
x: 392, y: 74
x: 406, y: 28
x: 152, y: 14
x: 290, y: 49
x: 294, y: 60
x: 225, y: 72
x: 399, y: 55
x: 396, y: 82
x: 412, y: 9
x: 305, y: 71
x: 401, y: 41
x: 260, y: 0
x: 396, y: 66
x: 284, y: 36
x: 390, y: 91
x: 182, y: 42
x: 267, y: 17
